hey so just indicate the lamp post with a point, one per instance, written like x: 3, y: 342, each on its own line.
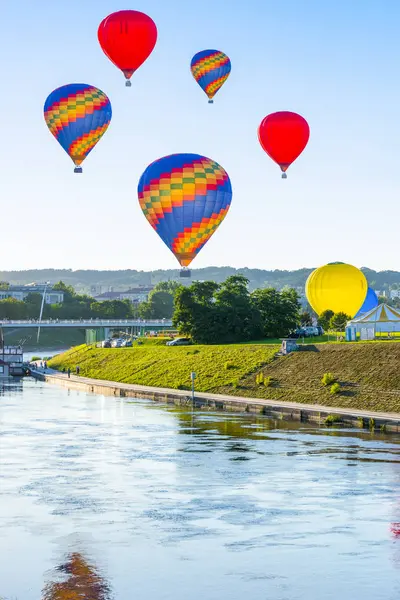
x: 192, y: 377
x: 41, y: 309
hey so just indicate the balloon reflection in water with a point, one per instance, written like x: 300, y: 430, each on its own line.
x: 82, y: 581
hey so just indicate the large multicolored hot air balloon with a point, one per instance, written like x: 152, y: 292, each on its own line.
x: 210, y: 68
x: 127, y: 38
x: 371, y: 301
x: 185, y: 197
x: 338, y: 287
x: 77, y: 115
x: 283, y: 136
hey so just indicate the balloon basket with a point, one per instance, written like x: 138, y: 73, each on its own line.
x: 185, y: 273
x: 284, y: 176
x: 78, y: 170
x: 211, y: 102
x: 128, y: 83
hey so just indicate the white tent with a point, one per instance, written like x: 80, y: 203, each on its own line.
x: 382, y: 319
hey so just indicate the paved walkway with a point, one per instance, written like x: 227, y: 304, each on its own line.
x: 55, y: 376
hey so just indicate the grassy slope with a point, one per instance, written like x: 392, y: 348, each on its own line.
x: 170, y: 367
x: 369, y: 373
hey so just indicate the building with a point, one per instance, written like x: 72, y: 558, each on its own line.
x: 20, y: 292
x: 394, y: 294
x: 134, y: 295
x: 11, y: 359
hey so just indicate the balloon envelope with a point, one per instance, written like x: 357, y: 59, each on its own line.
x: 185, y: 197
x: 210, y: 68
x: 283, y: 136
x: 77, y: 115
x: 338, y: 287
x: 128, y: 38
x: 371, y: 301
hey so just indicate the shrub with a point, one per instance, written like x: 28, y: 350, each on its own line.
x: 229, y: 366
x: 332, y: 419
x: 268, y: 381
x: 35, y: 358
x: 335, y: 388
x: 328, y: 379
x: 260, y: 379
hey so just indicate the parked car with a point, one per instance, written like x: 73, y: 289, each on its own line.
x: 320, y: 330
x: 106, y: 344
x: 311, y: 331
x: 117, y: 343
x: 179, y: 342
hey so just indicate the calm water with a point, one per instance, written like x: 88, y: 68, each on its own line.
x: 128, y: 499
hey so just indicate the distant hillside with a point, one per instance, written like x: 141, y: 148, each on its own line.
x: 84, y: 281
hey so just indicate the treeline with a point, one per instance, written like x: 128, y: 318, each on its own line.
x: 80, y: 306
x: 84, y: 279
x: 209, y: 312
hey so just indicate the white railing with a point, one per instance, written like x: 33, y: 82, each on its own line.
x: 85, y: 322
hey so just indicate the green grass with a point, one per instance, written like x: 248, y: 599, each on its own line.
x: 170, y: 367
x: 368, y: 373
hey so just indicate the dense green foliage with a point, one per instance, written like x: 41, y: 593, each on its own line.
x: 324, y: 319
x: 75, y: 306
x: 221, y: 313
x: 160, y: 304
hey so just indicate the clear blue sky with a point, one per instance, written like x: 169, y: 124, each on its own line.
x: 336, y: 62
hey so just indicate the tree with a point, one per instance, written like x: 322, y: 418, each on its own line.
x: 4, y: 285
x: 12, y: 309
x: 160, y: 305
x: 338, y: 321
x: 167, y: 286
x: 238, y: 317
x: 195, y: 313
x: 279, y: 311
x: 305, y: 319
x: 324, y: 319
x: 68, y: 290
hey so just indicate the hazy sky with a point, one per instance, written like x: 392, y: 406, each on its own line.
x: 336, y: 62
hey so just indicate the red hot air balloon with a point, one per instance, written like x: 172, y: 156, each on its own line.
x: 283, y: 136
x: 128, y: 38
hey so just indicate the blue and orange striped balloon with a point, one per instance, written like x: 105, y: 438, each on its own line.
x: 185, y: 197
x: 210, y: 68
x: 77, y: 115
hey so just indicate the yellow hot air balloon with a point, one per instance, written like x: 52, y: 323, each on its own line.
x: 338, y: 287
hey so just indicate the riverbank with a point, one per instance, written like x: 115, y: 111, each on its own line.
x: 57, y: 337
x: 321, y: 415
x: 368, y: 374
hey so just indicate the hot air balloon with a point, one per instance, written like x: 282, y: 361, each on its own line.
x: 185, y: 197
x: 338, y: 287
x: 127, y: 38
x: 77, y: 115
x: 371, y: 301
x: 210, y: 68
x: 283, y: 136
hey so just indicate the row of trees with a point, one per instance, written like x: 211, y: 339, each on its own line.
x: 209, y: 312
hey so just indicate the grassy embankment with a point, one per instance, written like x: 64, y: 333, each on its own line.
x: 368, y: 373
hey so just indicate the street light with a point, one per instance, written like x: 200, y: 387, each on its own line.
x: 41, y: 309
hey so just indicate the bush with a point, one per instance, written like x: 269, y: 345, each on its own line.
x: 268, y: 381
x: 35, y: 358
x: 332, y: 419
x: 260, y: 379
x: 328, y: 379
x: 335, y: 388
x: 229, y: 366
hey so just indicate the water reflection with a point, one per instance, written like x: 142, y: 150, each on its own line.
x: 81, y: 580
x: 204, y: 505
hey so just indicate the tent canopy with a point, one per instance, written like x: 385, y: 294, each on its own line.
x: 382, y: 318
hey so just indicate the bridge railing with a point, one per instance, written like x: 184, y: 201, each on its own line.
x: 83, y: 322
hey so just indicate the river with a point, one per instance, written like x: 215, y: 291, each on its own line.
x: 121, y: 499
